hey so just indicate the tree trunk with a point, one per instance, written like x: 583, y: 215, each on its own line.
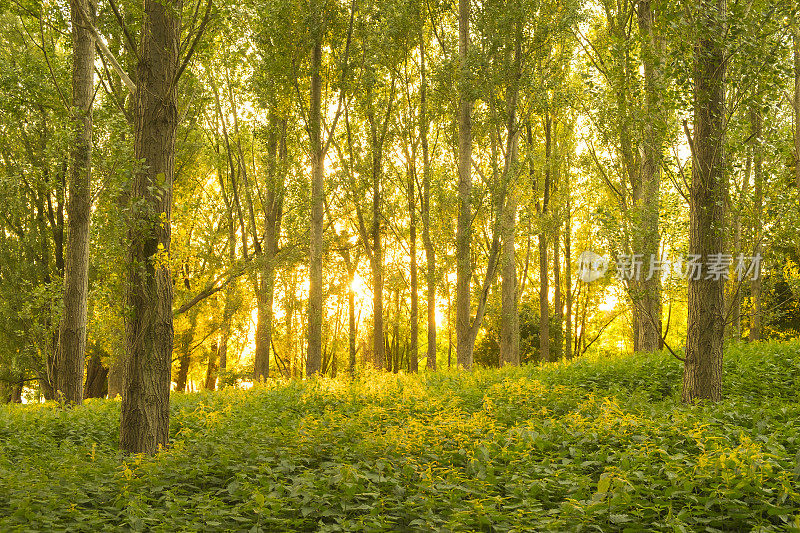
x: 273, y: 214
x: 796, y: 45
x: 647, y: 238
x: 72, y: 337
x: 378, y: 346
x: 544, y: 282
x: 185, y: 353
x: 509, y: 324
x: 149, y: 333
x: 702, y: 373
x: 351, y: 322
x: 396, y: 332
x: 464, y: 341
x: 568, y: 272
x: 116, y: 370
x: 413, y: 353
x: 736, y: 289
x: 430, y: 253
x: 211, y: 371
x: 558, y: 311
x: 96, y: 377
x: 316, y: 298
x: 756, y: 120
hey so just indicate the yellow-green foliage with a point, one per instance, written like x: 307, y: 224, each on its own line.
x: 597, y: 445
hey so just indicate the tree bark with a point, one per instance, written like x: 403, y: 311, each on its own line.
x: 430, y: 253
x: 568, y: 272
x: 544, y: 282
x: 756, y: 120
x: 796, y: 46
x: 464, y: 341
x: 185, y: 353
x: 647, y: 238
x: 273, y: 215
x: 413, y: 353
x: 702, y: 373
x: 72, y: 335
x: 509, y: 324
x: 96, y: 385
x: 378, y: 346
x: 148, y: 330
x: 316, y: 298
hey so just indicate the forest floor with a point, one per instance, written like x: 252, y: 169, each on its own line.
x: 595, y: 445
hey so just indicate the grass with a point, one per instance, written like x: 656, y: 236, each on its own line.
x: 596, y: 445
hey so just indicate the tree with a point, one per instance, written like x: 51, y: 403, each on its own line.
x: 702, y: 372
x: 144, y: 426
x: 464, y: 341
x: 72, y: 334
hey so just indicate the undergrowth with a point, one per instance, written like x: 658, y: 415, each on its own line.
x: 594, y: 445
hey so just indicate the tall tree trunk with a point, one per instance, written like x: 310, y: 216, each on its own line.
x: 568, y: 271
x: 647, y: 238
x: 796, y: 45
x: 558, y: 309
x: 430, y: 253
x: 509, y: 324
x: 72, y: 335
x: 211, y: 372
x: 396, y: 332
x: 413, y: 354
x: 464, y: 341
x: 273, y: 214
x: 351, y: 321
x: 544, y: 282
x: 148, y: 333
x: 702, y: 373
x: 316, y: 299
x: 185, y: 352
x: 738, y: 245
x: 756, y: 120
x: 378, y: 346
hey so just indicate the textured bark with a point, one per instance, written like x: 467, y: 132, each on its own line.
x: 185, y: 353
x: 378, y: 340
x: 568, y: 274
x: 430, y: 253
x: 464, y: 341
x: 72, y: 334
x: 647, y: 293
x: 115, y: 376
x: 509, y: 320
x: 316, y: 298
x: 148, y: 330
x: 96, y: 385
x: 757, y: 318
x: 351, y: 322
x: 211, y: 371
x: 796, y: 45
x: 702, y: 373
x: 413, y: 350
x: 558, y: 309
x: 509, y: 324
x: 544, y: 282
x: 273, y: 215
x: 738, y: 248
